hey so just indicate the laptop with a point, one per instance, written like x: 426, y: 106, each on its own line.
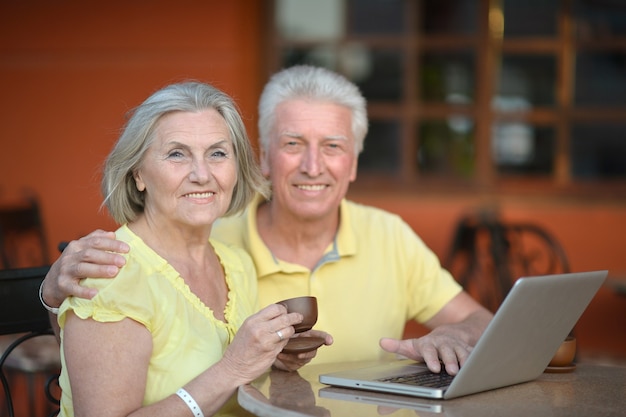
x: 382, y: 399
x: 517, y: 345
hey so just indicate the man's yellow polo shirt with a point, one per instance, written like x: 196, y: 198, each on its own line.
x: 374, y: 276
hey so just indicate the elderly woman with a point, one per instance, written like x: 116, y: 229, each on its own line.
x: 175, y: 333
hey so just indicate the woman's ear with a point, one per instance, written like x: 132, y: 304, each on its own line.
x: 141, y: 186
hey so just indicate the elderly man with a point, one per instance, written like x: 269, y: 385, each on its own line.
x: 369, y: 270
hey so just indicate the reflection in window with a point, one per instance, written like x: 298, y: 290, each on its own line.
x: 601, y: 79
x: 353, y: 60
x: 381, y: 151
x: 446, y: 147
x: 528, y: 78
x: 599, y: 19
x: 449, y: 17
x: 598, y: 151
x: 319, y: 20
x: 530, y: 18
x: 447, y: 77
x: 519, y: 148
x: 294, y: 56
x: 382, y: 76
x: 376, y: 17
x: 378, y: 73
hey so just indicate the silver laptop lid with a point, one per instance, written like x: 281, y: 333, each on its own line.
x: 533, y: 320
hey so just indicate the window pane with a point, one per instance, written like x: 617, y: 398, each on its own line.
x: 365, y: 40
x: 376, y: 17
x: 382, y: 148
x: 319, y: 56
x: 446, y: 147
x: 598, y: 151
x: 519, y: 148
x: 320, y: 20
x: 378, y: 73
x: 449, y: 17
x: 601, y: 79
x: 447, y: 77
x: 530, y: 18
x: 382, y: 79
x: 599, y: 19
x: 528, y: 80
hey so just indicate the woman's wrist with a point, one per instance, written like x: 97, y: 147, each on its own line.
x: 53, y: 310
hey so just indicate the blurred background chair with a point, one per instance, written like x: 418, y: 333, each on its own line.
x: 23, y: 240
x: 30, y: 361
x: 487, y: 255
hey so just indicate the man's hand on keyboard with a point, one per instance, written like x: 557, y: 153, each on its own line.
x: 451, y: 340
x: 434, y: 350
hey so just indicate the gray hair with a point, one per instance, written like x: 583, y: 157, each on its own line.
x: 315, y: 83
x: 121, y: 196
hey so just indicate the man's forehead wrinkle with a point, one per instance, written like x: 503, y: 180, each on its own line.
x: 292, y: 134
x: 327, y: 137
x: 336, y: 137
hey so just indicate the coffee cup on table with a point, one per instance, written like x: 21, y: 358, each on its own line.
x: 307, y: 306
x: 565, y: 354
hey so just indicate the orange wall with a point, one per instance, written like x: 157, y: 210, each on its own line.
x: 593, y: 233
x: 69, y: 71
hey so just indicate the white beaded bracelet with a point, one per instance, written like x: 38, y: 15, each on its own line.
x: 191, y: 403
x: 53, y: 310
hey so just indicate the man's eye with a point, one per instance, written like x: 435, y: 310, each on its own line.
x: 335, y: 146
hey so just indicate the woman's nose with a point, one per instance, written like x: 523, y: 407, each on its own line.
x: 200, y: 172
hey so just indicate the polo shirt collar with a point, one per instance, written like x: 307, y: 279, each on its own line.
x: 344, y: 243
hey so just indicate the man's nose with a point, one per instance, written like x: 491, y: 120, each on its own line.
x: 313, y: 161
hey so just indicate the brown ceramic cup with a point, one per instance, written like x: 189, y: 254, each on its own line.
x: 565, y: 354
x: 307, y: 306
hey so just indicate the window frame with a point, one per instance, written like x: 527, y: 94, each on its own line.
x: 488, y: 45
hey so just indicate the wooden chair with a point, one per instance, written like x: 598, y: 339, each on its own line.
x: 22, y: 320
x: 22, y: 236
x: 488, y: 255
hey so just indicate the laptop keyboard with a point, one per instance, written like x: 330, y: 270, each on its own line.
x: 424, y: 379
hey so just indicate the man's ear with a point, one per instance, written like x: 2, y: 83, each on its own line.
x: 355, y: 167
x: 265, y: 166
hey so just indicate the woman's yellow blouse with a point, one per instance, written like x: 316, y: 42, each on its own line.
x: 187, y: 338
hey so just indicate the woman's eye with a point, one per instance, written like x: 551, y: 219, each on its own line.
x: 219, y: 154
x: 175, y: 154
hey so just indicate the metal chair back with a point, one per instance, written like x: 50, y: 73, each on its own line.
x: 488, y: 254
x: 22, y: 315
